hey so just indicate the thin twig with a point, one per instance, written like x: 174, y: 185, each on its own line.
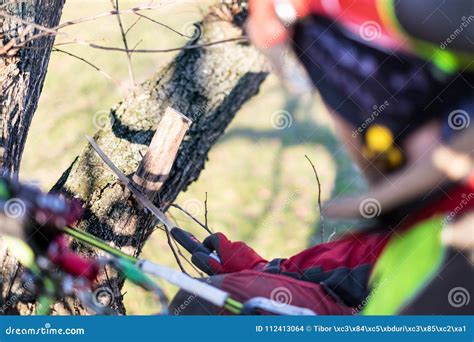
x: 137, y: 43
x: 205, y: 214
x: 163, y: 25
x: 133, y: 25
x: 9, y: 48
x: 115, y: 5
x: 170, y: 241
x: 55, y: 49
x: 107, y: 277
x: 46, y: 31
x: 187, y: 260
x: 321, y: 217
x: 110, y: 13
x: 28, y: 23
x: 180, y: 253
x: 185, y: 47
x: 192, y: 217
x: 176, y: 256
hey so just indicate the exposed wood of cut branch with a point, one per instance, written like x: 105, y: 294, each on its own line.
x: 159, y: 157
x: 161, y: 153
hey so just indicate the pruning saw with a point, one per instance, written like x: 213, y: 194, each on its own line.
x: 174, y: 277
x: 126, y: 181
x: 185, y: 282
x: 185, y: 239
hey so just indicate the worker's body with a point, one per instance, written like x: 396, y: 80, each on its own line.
x: 422, y: 84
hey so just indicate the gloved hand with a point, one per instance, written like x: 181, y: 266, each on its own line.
x: 342, y: 266
x: 234, y: 256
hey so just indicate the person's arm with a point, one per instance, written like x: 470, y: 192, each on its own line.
x: 445, y: 163
x: 266, y: 28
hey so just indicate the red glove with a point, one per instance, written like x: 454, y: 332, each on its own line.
x: 342, y: 267
x: 234, y: 256
x: 72, y: 263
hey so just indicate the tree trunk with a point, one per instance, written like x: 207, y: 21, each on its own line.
x: 209, y: 85
x: 22, y: 74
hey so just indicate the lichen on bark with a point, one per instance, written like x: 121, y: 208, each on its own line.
x: 209, y: 85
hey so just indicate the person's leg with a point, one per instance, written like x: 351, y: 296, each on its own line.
x: 249, y: 284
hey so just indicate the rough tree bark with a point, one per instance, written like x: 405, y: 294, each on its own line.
x: 22, y: 74
x: 209, y: 85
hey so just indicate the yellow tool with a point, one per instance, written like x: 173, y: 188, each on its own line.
x: 381, y: 149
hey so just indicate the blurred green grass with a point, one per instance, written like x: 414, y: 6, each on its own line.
x: 260, y: 187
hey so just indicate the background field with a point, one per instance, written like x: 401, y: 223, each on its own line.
x: 260, y: 187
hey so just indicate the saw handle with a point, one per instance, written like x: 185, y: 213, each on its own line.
x: 191, y: 243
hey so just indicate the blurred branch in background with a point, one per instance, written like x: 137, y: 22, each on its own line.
x: 184, y: 47
x: 45, y: 31
x: 210, y: 99
x: 115, y: 5
x: 321, y: 217
x: 95, y: 67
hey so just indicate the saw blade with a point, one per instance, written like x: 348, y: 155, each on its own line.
x: 126, y: 181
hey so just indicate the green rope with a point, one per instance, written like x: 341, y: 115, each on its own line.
x: 46, y: 300
x: 44, y: 306
x: 96, y: 242
x: 231, y: 304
